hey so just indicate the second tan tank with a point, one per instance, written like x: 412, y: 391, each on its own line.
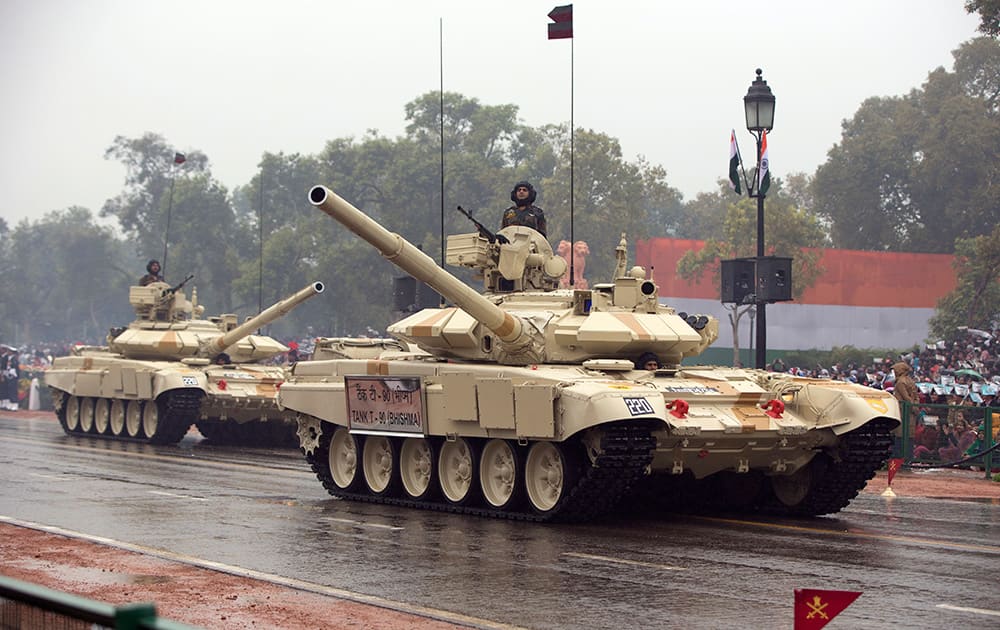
x: 170, y: 368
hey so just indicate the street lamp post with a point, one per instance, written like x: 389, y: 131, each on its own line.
x: 759, y: 105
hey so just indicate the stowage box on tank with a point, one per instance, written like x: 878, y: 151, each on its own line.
x: 163, y: 372
x: 524, y: 401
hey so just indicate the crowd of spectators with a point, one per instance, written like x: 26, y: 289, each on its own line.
x: 956, y: 382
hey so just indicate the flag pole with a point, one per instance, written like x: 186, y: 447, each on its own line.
x: 562, y: 16
x: 441, y: 107
x: 260, y: 242
x: 166, y: 232
x: 179, y: 158
x: 572, y: 133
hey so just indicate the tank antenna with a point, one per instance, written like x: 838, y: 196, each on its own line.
x: 178, y: 160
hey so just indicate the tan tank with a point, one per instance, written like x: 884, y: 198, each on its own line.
x: 525, y: 402
x: 170, y: 368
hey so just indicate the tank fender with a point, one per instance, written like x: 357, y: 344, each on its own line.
x: 842, y: 407
x: 168, y: 380
x: 588, y: 405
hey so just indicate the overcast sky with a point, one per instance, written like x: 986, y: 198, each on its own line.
x: 236, y: 78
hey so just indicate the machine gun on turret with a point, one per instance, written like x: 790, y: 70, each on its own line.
x: 483, y: 230
x: 178, y: 287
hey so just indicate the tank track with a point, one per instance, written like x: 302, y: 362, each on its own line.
x: 626, y: 450
x: 270, y: 433
x: 179, y: 409
x: 837, y: 481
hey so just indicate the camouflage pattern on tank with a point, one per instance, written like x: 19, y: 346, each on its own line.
x: 525, y: 401
x: 170, y: 368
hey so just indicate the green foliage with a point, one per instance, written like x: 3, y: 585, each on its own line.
x: 611, y: 196
x: 975, y: 302
x: 731, y: 225
x: 914, y: 173
x: 989, y: 15
x: 64, y: 278
x: 910, y: 172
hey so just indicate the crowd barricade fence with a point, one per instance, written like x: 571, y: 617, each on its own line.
x: 948, y: 436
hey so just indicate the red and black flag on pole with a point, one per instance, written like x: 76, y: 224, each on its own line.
x: 563, y: 18
x: 179, y: 158
x: 814, y: 608
x: 894, y: 465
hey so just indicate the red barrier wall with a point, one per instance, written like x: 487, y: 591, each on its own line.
x: 850, y: 277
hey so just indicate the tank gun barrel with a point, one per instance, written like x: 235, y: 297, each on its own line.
x: 407, y: 257
x: 268, y: 315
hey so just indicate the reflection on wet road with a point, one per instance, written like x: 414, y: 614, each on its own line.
x: 919, y: 562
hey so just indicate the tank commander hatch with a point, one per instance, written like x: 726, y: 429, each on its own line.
x: 152, y: 273
x: 524, y: 212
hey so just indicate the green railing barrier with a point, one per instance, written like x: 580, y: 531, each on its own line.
x: 27, y: 605
x: 980, y: 419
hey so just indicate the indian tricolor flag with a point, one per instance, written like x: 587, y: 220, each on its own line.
x: 734, y: 164
x: 764, y: 172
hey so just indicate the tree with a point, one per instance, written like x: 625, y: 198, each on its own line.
x: 203, y: 228
x: 264, y: 241
x: 788, y: 229
x: 989, y: 15
x: 915, y: 173
x: 70, y: 278
x: 975, y: 302
x: 611, y: 196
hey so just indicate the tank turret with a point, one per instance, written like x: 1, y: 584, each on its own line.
x: 168, y: 325
x: 522, y: 318
x: 170, y: 368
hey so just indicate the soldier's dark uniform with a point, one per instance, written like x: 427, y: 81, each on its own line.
x: 151, y: 276
x: 524, y: 212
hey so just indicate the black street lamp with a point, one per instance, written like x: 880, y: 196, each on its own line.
x: 759, y: 104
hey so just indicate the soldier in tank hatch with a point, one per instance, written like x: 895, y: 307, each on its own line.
x: 524, y: 212
x: 152, y: 273
x: 648, y: 361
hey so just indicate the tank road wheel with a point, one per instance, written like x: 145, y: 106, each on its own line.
x: 548, y: 476
x: 829, y: 482
x: 102, y: 416
x: 150, y: 419
x: 380, y: 465
x: 416, y: 468
x: 457, y: 471
x: 500, y: 474
x: 343, y: 459
x: 791, y: 490
x: 116, y: 417
x: 72, y: 414
x: 167, y: 419
x: 86, y: 415
x: 133, y: 419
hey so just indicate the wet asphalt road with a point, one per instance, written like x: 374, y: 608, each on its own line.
x: 920, y: 562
